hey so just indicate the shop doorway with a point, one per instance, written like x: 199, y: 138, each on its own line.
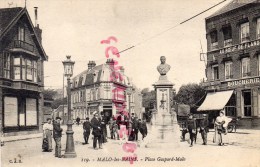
x: 230, y: 107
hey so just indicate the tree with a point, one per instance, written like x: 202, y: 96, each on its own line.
x: 57, y: 102
x: 148, y: 97
x: 190, y: 94
x: 49, y: 94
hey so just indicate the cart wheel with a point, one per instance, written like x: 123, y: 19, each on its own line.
x: 230, y: 129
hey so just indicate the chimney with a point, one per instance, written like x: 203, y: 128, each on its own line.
x: 37, y: 29
x: 91, y: 65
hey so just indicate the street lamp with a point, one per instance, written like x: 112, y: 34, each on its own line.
x: 68, y: 72
x: 129, y: 92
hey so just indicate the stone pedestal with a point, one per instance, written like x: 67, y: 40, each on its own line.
x: 164, y: 129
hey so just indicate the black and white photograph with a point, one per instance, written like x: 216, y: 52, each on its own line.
x: 170, y: 83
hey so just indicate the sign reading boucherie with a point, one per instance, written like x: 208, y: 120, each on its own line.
x: 244, y: 81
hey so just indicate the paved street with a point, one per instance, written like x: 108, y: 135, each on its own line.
x: 243, y: 146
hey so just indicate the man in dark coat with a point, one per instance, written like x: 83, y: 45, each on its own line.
x: 86, y: 128
x: 104, y: 129
x: 204, y: 128
x: 143, y: 128
x: 97, y: 132
x: 57, y: 133
x: 191, y: 126
x: 135, y: 128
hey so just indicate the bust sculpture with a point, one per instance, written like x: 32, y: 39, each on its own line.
x: 163, y: 68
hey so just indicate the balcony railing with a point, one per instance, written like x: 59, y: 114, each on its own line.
x: 23, y: 45
x: 227, y: 42
x: 240, y: 46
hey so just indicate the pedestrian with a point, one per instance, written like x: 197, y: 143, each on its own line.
x: 110, y: 126
x: 57, y: 134
x: 221, y: 124
x: 135, y: 128
x: 131, y: 136
x: 143, y: 128
x: 103, y: 128
x: 47, y: 135
x: 86, y: 128
x: 96, y: 132
x: 122, y: 123
x: 115, y: 130
x: 77, y: 120
x: 192, y: 129
x: 204, y: 129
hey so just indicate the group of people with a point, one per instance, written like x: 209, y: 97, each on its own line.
x: 192, y: 127
x: 122, y: 127
x: 52, y: 130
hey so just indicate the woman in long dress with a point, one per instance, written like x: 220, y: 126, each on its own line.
x: 221, y: 124
x: 47, y: 135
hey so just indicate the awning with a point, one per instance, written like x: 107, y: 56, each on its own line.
x: 215, y: 100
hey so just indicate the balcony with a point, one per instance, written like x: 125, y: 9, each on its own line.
x: 227, y: 42
x: 214, y: 46
x: 23, y: 45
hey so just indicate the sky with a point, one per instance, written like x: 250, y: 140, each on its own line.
x: 76, y: 27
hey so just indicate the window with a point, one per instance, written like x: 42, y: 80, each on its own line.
x: 258, y: 29
x: 6, y: 65
x: 29, y: 70
x: 227, y: 33
x: 31, y: 112
x: 244, y: 30
x: 34, y: 71
x: 245, y: 67
x: 10, y: 111
x: 23, y: 69
x: 230, y: 107
x: 214, y: 40
x: 247, y: 103
x: 17, y: 70
x: 259, y: 64
x: 215, y: 73
x: 228, y: 70
x: 21, y: 33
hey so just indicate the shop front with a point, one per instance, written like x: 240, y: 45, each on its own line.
x: 239, y: 98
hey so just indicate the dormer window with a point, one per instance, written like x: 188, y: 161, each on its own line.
x: 21, y: 33
x: 244, y: 32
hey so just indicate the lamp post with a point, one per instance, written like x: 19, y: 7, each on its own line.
x: 68, y: 72
x: 129, y: 92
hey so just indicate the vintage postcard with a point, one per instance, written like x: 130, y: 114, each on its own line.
x: 130, y: 83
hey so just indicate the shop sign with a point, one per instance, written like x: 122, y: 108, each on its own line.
x: 244, y: 81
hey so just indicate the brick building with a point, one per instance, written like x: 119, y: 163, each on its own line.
x: 93, y: 90
x: 233, y: 62
x: 21, y: 73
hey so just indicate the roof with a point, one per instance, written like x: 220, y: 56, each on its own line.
x: 10, y: 16
x: 60, y: 108
x: 234, y: 4
x: 7, y: 15
x: 101, y: 73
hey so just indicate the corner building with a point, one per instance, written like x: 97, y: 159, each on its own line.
x: 233, y: 62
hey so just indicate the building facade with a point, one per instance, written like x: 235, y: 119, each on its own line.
x: 95, y: 90
x: 233, y: 62
x: 21, y: 73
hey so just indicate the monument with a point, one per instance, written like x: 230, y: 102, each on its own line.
x: 164, y: 129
